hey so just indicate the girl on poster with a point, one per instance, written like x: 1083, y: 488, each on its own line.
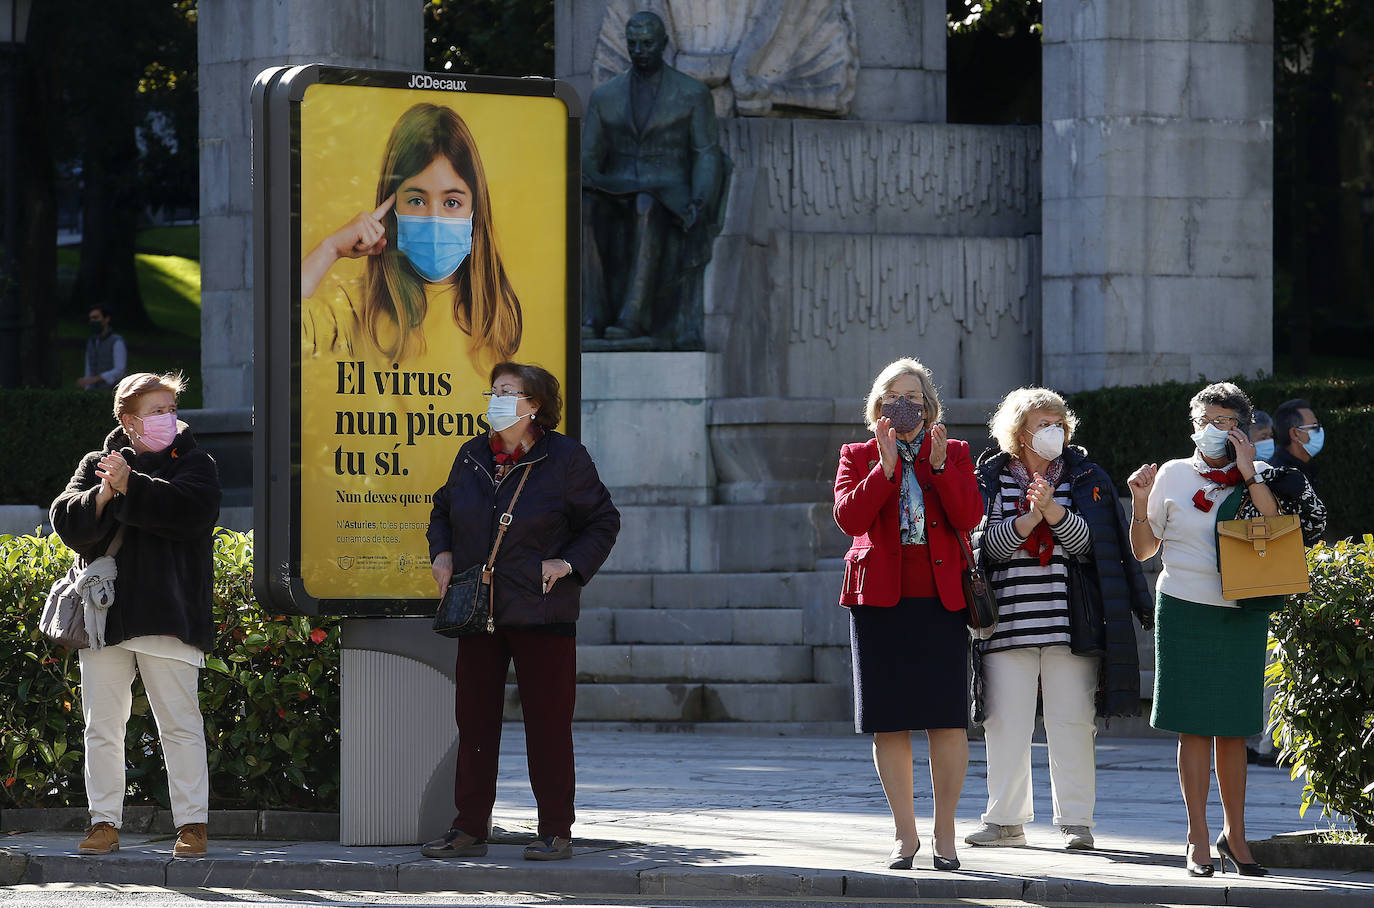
x: 434, y: 209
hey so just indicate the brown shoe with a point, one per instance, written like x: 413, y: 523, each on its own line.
x: 191, y: 841
x: 101, y: 838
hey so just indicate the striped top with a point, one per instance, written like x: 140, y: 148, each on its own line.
x: 1032, y: 601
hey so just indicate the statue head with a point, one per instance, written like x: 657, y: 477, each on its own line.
x: 645, y: 39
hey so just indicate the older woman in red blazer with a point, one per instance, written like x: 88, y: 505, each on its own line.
x: 905, y: 495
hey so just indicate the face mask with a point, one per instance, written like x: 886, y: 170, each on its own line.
x: 1264, y: 449
x: 1211, y: 441
x: 434, y: 246
x: 501, y: 412
x: 1315, y: 439
x: 906, y: 416
x: 159, y: 430
x: 1048, y: 442
x: 97, y: 328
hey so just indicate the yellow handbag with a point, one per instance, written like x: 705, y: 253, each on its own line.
x: 1263, y: 556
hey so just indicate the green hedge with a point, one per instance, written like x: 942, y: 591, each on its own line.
x: 1323, y: 672
x: 270, y: 695
x: 1124, y: 427
x: 46, y: 433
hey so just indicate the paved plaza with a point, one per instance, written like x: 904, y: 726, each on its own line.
x: 735, y: 817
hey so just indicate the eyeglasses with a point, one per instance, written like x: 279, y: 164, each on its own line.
x: 915, y: 397
x: 504, y: 392
x: 1310, y: 428
x: 1220, y: 422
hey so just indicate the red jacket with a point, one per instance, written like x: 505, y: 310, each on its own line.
x: 866, y: 508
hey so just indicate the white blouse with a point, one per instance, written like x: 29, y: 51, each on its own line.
x: 1189, y: 534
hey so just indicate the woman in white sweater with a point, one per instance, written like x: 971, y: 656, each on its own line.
x: 1209, y: 651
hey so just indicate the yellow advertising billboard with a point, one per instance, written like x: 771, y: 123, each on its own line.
x: 431, y: 241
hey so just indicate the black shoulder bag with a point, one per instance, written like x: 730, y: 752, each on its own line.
x: 466, y: 606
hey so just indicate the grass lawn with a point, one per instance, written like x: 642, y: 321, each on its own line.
x: 168, y: 268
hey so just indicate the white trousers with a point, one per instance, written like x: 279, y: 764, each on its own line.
x: 1068, y: 684
x: 107, y: 678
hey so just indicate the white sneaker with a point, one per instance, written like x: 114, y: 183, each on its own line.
x: 1077, y: 838
x: 995, y: 835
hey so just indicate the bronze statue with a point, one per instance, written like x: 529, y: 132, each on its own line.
x: 653, y: 178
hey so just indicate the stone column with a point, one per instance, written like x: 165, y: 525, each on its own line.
x: 1158, y: 190
x: 237, y: 40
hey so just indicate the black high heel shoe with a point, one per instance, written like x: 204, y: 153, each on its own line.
x: 1197, y: 869
x: 945, y: 863
x: 899, y: 861
x: 1251, y: 869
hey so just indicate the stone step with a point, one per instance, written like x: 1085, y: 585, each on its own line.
x: 692, y: 626
x: 694, y: 664
x: 678, y: 703
x: 774, y: 589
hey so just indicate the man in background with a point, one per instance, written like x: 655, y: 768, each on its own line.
x: 107, y: 358
x: 1298, y: 438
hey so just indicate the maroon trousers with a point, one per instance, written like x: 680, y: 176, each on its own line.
x: 546, y: 674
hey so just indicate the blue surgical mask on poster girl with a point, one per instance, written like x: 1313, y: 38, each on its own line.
x: 435, y: 246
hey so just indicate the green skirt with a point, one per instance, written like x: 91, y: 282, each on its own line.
x: 1209, y: 669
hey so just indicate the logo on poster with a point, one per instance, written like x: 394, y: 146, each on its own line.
x: 424, y: 81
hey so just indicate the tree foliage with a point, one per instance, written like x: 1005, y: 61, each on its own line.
x: 490, y: 37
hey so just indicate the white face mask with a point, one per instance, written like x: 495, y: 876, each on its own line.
x: 1211, y: 441
x: 501, y: 413
x: 1048, y: 442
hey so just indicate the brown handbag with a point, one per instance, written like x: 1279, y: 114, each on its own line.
x: 1262, y: 556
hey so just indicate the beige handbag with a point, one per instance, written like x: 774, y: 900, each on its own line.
x: 1263, y: 556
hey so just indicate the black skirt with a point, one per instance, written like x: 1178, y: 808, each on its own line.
x: 910, y: 666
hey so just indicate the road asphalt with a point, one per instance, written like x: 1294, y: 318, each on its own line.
x: 737, y: 818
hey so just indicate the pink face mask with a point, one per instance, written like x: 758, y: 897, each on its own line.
x: 159, y: 430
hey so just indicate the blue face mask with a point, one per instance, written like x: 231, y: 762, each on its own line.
x: 434, y: 246
x: 1315, y: 439
x: 1264, y: 449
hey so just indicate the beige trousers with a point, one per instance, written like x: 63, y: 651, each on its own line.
x: 107, y: 678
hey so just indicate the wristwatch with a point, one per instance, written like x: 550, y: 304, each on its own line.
x: 1256, y: 480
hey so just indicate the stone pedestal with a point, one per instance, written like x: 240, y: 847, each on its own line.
x: 1158, y: 191
x: 644, y: 421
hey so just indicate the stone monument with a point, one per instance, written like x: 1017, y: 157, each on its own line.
x: 653, y: 181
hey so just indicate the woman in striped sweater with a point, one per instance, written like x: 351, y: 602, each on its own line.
x: 1048, y: 505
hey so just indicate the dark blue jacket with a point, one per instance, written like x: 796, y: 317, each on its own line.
x: 1119, y: 575
x: 564, y: 511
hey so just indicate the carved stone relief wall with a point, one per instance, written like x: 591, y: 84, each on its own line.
x: 923, y: 178
x: 756, y: 55
x: 850, y: 244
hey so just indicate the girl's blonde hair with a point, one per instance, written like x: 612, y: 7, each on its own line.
x: 485, y: 306
x: 1008, y: 422
x: 893, y: 371
x: 141, y: 383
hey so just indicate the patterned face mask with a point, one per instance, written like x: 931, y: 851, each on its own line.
x: 906, y: 416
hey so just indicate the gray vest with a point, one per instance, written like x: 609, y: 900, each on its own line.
x: 100, y: 353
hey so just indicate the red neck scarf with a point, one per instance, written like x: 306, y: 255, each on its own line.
x: 507, y: 459
x: 1221, y: 479
x: 1040, y: 542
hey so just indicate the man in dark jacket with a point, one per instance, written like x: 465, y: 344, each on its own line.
x: 153, y: 496
x: 1298, y: 438
x: 652, y: 176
